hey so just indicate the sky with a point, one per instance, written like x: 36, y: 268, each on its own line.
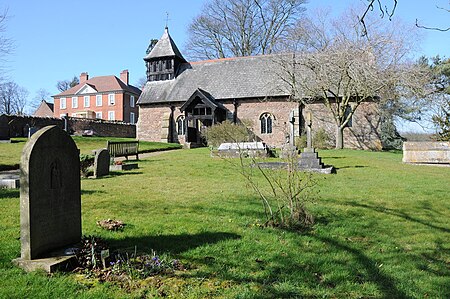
x: 56, y: 39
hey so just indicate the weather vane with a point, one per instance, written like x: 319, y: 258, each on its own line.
x: 167, y: 19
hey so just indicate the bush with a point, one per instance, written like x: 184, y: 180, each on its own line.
x: 228, y: 132
x: 321, y: 139
x: 86, y: 163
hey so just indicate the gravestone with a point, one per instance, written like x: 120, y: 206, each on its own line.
x: 4, y: 130
x: 101, y: 162
x: 309, y: 158
x: 50, y: 200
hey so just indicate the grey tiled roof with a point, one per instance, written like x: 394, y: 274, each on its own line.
x: 165, y: 47
x: 229, y: 78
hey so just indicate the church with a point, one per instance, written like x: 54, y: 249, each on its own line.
x: 181, y: 99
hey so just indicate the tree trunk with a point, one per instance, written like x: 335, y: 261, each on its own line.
x: 339, y: 137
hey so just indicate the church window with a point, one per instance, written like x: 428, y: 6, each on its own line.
x: 266, y: 120
x: 181, y: 125
x: 348, y: 110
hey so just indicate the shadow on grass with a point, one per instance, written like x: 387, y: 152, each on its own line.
x: 385, y: 283
x: 9, y: 193
x: 397, y: 213
x: 312, y: 273
x: 89, y: 192
x: 355, y: 166
x: 174, y: 244
x: 120, y: 173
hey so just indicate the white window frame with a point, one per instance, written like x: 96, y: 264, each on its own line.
x: 98, y: 115
x: 74, y: 102
x: 98, y: 100
x: 132, y: 118
x: 62, y: 103
x: 111, y: 99
x: 132, y: 101
x: 111, y: 115
x: 86, y: 103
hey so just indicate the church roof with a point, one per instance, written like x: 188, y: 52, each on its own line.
x: 228, y: 78
x: 101, y: 84
x: 165, y: 47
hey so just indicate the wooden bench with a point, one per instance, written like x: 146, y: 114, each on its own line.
x: 123, y: 148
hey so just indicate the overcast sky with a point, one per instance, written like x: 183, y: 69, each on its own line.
x: 56, y: 40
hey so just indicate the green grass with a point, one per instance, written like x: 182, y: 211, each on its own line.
x: 382, y: 231
x: 10, y: 152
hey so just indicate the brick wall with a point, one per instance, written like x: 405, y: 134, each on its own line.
x: 19, y: 125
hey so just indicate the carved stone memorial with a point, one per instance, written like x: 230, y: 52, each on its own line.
x: 101, y: 162
x: 50, y: 200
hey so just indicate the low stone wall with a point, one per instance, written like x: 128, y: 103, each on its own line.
x: 426, y: 152
x: 18, y: 126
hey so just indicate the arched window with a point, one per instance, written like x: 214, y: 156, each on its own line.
x: 181, y: 125
x: 266, y: 120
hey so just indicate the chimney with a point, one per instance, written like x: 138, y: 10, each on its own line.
x: 124, y: 76
x: 84, y: 77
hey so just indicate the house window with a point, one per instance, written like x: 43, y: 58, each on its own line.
x: 86, y: 101
x: 74, y: 102
x: 111, y: 99
x: 131, y: 101
x: 98, y: 100
x: 98, y: 115
x: 348, y: 111
x: 181, y: 125
x: 111, y: 115
x: 62, y: 103
x: 132, y: 120
x: 266, y: 120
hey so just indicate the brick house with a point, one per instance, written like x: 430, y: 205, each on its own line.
x: 180, y: 99
x: 103, y: 97
x: 45, y: 109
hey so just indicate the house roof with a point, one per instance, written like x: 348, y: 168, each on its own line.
x: 101, y: 84
x: 165, y: 47
x: 228, y: 78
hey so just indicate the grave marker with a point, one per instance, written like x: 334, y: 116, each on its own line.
x: 50, y: 199
x: 101, y: 162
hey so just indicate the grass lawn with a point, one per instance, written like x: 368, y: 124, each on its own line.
x: 10, y: 152
x: 382, y: 231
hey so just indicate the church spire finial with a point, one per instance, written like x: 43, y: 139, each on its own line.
x: 167, y: 21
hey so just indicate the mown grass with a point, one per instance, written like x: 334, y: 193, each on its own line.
x: 10, y: 152
x: 381, y: 231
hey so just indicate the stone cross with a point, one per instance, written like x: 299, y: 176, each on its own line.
x: 50, y: 198
x: 308, y: 130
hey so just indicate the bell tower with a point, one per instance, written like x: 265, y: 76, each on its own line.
x: 164, y: 59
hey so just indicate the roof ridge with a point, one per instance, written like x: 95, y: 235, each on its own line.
x: 232, y: 58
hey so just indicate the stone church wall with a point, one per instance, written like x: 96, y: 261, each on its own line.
x: 362, y: 135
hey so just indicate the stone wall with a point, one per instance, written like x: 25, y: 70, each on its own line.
x: 362, y: 135
x: 426, y: 152
x: 19, y: 126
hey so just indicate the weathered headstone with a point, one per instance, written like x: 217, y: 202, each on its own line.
x: 101, y: 162
x: 50, y: 200
x: 4, y: 129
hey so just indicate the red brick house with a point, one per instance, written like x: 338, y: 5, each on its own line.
x: 181, y: 99
x: 104, y: 97
x: 45, y: 109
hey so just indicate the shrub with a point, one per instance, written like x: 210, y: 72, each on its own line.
x: 228, y: 132
x: 321, y: 139
x: 86, y: 163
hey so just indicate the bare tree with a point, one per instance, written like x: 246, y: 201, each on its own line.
x: 227, y: 28
x: 336, y: 65
x: 13, y: 98
x: 66, y: 84
x: 6, y: 44
x: 41, y: 95
x: 384, y: 10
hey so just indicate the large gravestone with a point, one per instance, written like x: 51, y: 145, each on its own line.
x: 50, y: 199
x: 101, y: 162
